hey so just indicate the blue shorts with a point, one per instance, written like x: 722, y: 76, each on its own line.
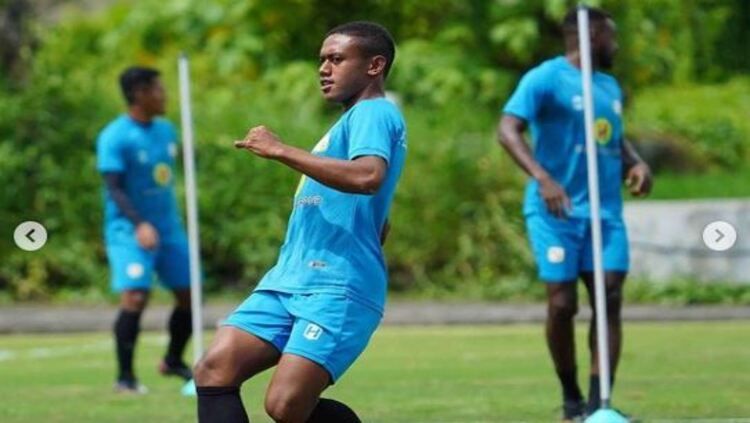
x: 563, y: 248
x: 132, y: 267
x: 329, y: 329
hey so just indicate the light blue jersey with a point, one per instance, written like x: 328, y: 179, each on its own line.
x: 333, y: 239
x: 144, y: 154
x: 549, y: 98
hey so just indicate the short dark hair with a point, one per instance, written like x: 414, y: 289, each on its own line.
x: 375, y: 40
x: 570, y: 22
x: 134, y: 78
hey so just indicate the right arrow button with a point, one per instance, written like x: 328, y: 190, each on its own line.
x: 719, y: 235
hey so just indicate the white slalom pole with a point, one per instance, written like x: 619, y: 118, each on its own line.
x: 192, y: 214
x: 596, y: 228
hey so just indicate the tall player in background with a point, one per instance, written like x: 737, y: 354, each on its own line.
x: 313, y: 313
x: 549, y: 102
x: 142, y: 229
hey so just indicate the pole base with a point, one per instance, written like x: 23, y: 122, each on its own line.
x: 606, y: 415
x: 188, y: 389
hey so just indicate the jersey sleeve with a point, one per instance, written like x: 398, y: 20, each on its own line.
x: 527, y: 99
x: 172, y: 132
x: 110, y: 152
x: 372, y: 130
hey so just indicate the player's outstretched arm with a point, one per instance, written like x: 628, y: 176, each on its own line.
x: 638, y: 177
x: 363, y: 175
x: 145, y: 233
x: 510, y: 135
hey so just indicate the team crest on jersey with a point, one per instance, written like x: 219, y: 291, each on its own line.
x: 603, y: 131
x: 162, y: 174
x: 322, y: 145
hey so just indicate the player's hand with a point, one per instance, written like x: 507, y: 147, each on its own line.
x: 261, y: 141
x: 147, y: 236
x: 639, y: 179
x: 554, y: 196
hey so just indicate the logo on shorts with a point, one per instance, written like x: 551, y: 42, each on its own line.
x: 556, y: 254
x: 313, y: 332
x: 134, y: 270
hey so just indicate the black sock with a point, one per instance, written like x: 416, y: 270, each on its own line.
x: 180, y: 329
x: 332, y: 411
x: 126, y: 330
x: 569, y: 382
x: 595, y: 391
x: 220, y: 404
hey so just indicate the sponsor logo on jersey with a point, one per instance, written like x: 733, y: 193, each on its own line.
x: 322, y: 145
x: 577, y: 102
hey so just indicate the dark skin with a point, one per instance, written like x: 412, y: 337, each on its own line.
x: 149, y: 102
x: 346, y: 77
x: 562, y: 298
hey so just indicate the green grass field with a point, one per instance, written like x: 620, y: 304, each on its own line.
x: 670, y: 372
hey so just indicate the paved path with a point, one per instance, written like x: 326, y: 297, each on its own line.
x: 26, y: 319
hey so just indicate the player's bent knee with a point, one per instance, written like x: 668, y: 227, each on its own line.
x: 282, y: 407
x: 562, y: 310
x: 614, y: 305
x: 211, y: 371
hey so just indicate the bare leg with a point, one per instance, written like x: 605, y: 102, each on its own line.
x: 295, y: 388
x: 614, y: 282
x: 562, y: 306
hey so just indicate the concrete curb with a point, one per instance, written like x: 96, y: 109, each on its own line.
x: 41, y: 319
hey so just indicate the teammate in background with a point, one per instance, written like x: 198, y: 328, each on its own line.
x: 556, y: 206
x: 313, y: 313
x: 142, y: 228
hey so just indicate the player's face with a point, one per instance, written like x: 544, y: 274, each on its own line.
x: 153, y: 98
x: 605, y: 44
x: 343, y: 69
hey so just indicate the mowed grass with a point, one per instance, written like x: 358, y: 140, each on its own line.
x: 669, y: 371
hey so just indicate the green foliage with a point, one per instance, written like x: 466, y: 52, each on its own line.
x: 456, y: 218
x: 691, y: 127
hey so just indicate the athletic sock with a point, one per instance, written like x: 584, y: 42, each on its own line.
x: 220, y: 404
x: 332, y: 411
x: 569, y: 382
x: 180, y: 329
x: 126, y: 328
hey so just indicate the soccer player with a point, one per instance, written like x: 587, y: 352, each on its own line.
x: 549, y: 101
x: 142, y: 226
x: 313, y: 313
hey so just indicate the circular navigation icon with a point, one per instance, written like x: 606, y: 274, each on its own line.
x: 719, y: 235
x: 30, y: 236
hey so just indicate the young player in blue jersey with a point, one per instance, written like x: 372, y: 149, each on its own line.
x: 142, y: 226
x: 313, y: 313
x: 549, y: 102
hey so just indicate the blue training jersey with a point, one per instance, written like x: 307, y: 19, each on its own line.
x: 333, y: 239
x: 144, y: 154
x: 550, y: 98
